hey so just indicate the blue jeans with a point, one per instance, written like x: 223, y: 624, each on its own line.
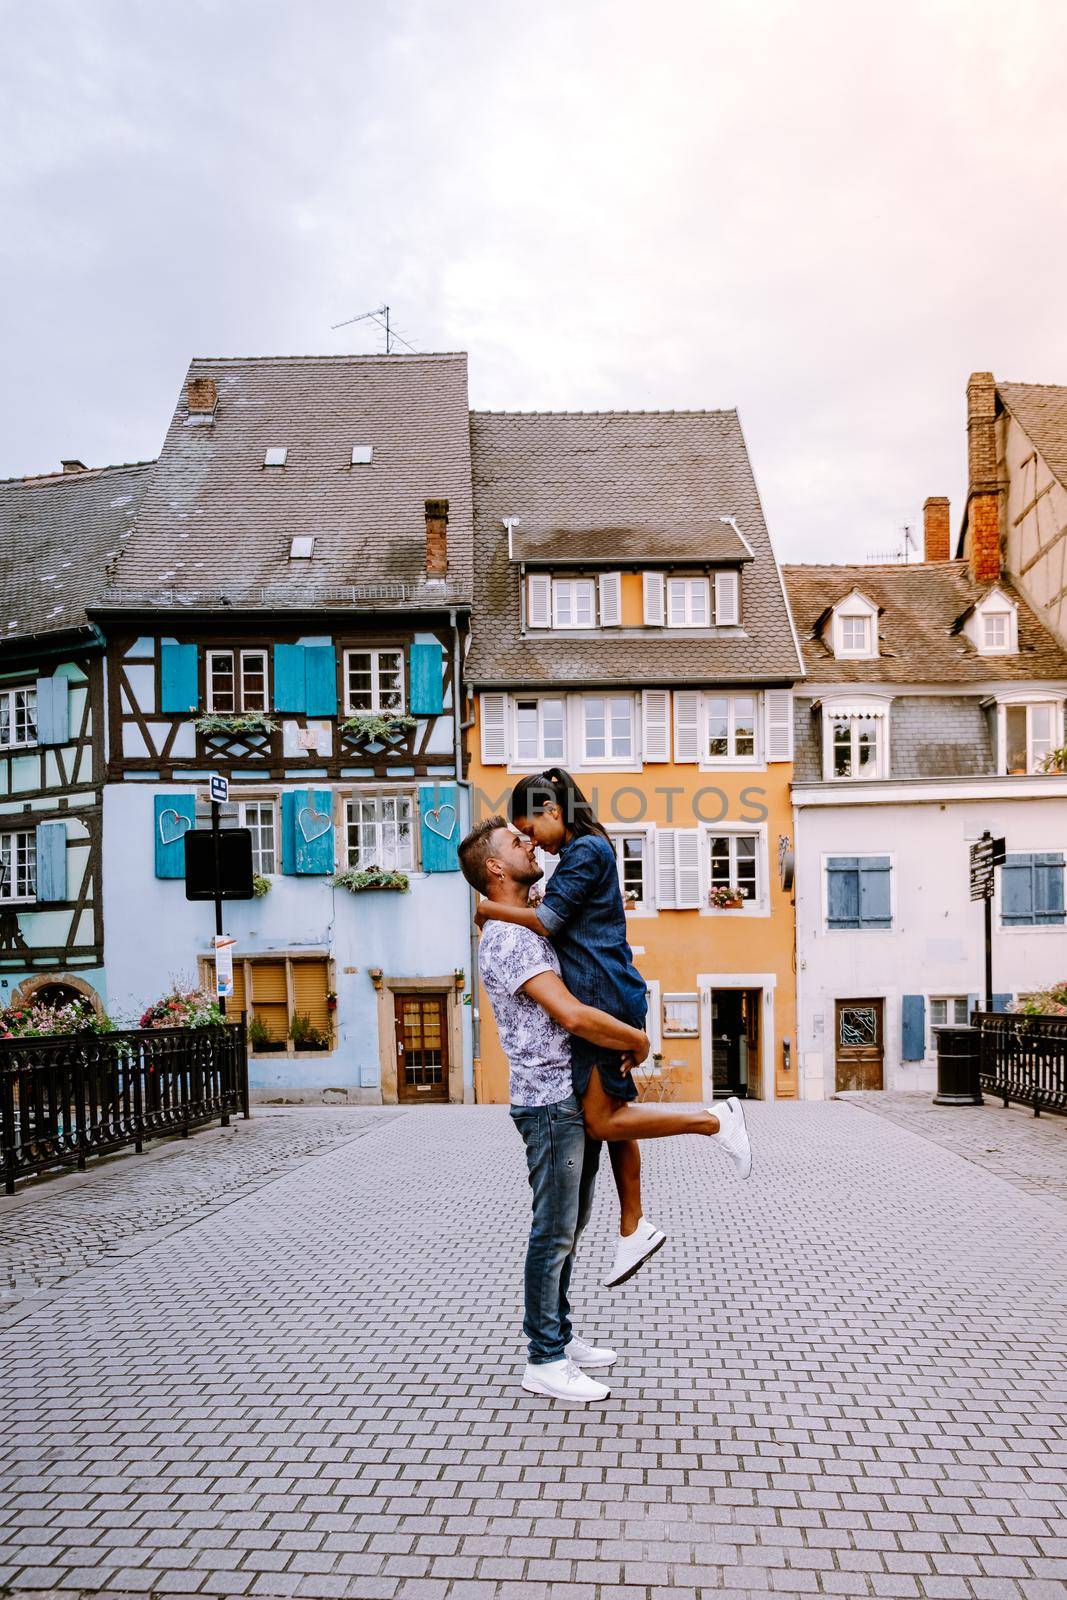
x: 563, y: 1165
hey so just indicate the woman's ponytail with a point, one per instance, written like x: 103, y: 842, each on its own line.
x: 554, y: 786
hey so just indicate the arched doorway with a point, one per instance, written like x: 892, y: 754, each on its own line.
x: 56, y: 989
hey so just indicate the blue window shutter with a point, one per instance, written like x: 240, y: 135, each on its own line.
x: 173, y: 816
x: 289, y: 810
x: 51, y: 861
x: 1048, y: 887
x: 842, y: 886
x: 439, y: 827
x: 1001, y: 1002
x: 179, y: 688
x: 320, y: 680
x: 874, y: 893
x: 1017, y: 889
x: 913, y: 1028
x: 427, y: 679
x: 53, y: 717
x: 290, y: 689
x: 313, y: 853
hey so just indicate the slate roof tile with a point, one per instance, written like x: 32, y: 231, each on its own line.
x: 1041, y: 409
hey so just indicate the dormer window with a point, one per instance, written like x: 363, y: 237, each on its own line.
x: 1029, y: 729
x: 855, y: 738
x: 992, y: 626
x: 688, y: 603
x: 573, y: 602
x: 854, y: 629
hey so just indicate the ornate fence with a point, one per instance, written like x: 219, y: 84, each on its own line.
x: 68, y: 1097
x: 1024, y: 1059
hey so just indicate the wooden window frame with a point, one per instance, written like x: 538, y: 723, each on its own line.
x: 618, y: 835
x: 207, y: 979
x: 237, y: 654
x: 374, y: 652
x: 731, y: 759
x: 692, y: 583
x: 540, y: 759
x: 357, y: 796
x: 609, y: 759
x: 570, y: 585
x: 12, y: 693
x: 9, y: 838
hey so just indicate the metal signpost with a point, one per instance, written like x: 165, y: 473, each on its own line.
x: 220, y: 794
x: 986, y: 856
x: 218, y: 867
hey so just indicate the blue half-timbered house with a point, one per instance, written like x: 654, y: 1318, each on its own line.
x: 292, y: 611
x: 58, y: 532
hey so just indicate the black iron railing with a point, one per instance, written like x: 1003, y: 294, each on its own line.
x: 67, y: 1097
x: 1024, y: 1059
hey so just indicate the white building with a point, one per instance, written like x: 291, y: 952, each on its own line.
x: 932, y: 704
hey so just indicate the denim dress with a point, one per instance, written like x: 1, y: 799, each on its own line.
x: 582, y: 912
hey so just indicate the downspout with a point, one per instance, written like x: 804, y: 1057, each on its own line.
x: 464, y: 783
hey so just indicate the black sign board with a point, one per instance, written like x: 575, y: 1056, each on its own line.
x: 226, y: 875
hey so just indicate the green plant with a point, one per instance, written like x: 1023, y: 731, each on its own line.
x: 260, y: 885
x: 258, y: 1033
x: 193, y: 1008
x: 369, y: 878
x: 304, y: 1035
x: 1050, y: 1002
x: 370, y: 727
x: 41, y: 1020
x: 1056, y: 760
x: 237, y: 722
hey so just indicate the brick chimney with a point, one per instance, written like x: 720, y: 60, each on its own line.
x: 73, y: 466
x: 201, y: 395
x: 983, y: 489
x: 436, y: 538
x: 936, y: 535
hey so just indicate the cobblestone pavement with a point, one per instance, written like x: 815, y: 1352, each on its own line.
x: 1026, y: 1151
x: 121, y: 1205
x: 846, y: 1377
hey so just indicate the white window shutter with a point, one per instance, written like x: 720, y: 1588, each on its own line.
x: 778, y: 705
x: 687, y: 725
x: 666, y: 884
x: 655, y: 724
x: 652, y: 588
x: 494, y: 724
x: 687, y: 851
x: 727, y: 593
x: 610, y: 599
x: 539, y: 597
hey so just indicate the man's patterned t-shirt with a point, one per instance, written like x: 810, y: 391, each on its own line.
x: 537, y: 1048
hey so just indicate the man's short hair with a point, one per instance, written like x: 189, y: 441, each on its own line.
x: 475, y: 850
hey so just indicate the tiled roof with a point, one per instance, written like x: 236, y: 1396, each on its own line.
x: 1041, y: 409
x: 919, y: 607
x: 57, y: 535
x: 634, y: 488
x: 216, y: 524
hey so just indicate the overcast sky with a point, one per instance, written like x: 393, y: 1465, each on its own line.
x: 824, y: 213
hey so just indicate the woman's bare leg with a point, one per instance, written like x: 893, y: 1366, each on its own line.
x: 614, y: 1120
x: 626, y: 1167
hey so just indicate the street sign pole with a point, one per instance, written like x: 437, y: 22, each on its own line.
x: 986, y: 855
x: 989, y: 952
x: 220, y: 793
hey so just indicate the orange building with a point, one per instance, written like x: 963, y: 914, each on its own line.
x: 630, y: 624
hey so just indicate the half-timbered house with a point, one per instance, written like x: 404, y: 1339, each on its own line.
x: 292, y: 611
x: 58, y: 532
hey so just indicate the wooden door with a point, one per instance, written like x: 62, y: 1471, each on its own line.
x: 858, y: 1044
x: 421, y: 1046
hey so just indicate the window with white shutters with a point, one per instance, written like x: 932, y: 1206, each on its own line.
x: 688, y: 603
x: 573, y: 603
x: 778, y: 712
x: 494, y: 726
x: 730, y: 727
x: 655, y: 724
x: 678, y: 869
x: 687, y: 725
x: 539, y: 600
x: 610, y: 599
x: 607, y: 728
x: 540, y: 730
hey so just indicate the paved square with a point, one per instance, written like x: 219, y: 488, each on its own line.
x: 846, y: 1377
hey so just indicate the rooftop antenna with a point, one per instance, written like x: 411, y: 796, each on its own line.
x: 902, y: 553
x: 381, y: 317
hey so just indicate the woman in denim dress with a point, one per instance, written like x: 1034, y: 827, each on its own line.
x: 582, y: 912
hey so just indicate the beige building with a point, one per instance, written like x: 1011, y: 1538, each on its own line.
x: 1016, y: 515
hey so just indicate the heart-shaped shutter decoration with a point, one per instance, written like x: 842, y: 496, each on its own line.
x: 173, y: 826
x: 313, y: 824
x: 441, y: 820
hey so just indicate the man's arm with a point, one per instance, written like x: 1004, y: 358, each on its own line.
x: 495, y: 911
x: 552, y: 994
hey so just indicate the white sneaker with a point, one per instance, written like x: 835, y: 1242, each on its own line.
x: 732, y: 1137
x: 590, y: 1355
x: 563, y: 1380
x: 633, y: 1250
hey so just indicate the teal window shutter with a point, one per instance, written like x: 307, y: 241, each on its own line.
x: 1017, y: 889
x: 320, y: 680
x: 1048, y: 887
x: 173, y: 816
x: 913, y: 1028
x: 427, y: 667
x: 53, y: 716
x: 290, y: 689
x: 179, y: 688
x: 874, y: 892
x: 51, y: 861
x: 1002, y: 1002
x: 439, y: 827
x: 313, y: 833
x: 289, y: 808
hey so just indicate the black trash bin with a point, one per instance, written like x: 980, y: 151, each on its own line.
x: 958, y: 1067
